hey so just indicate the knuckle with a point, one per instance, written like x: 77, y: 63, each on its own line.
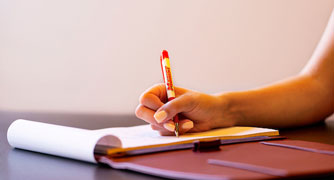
x: 158, y: 85
x: 142, y: 98
x: 139, y: 111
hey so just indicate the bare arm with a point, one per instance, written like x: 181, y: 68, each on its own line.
x: 301, y: 100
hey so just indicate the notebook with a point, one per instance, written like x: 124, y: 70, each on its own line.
x: 80, y: 144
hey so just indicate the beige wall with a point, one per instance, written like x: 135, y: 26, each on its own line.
x: 98, y: 56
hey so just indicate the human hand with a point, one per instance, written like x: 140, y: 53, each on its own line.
x: 197, y: 111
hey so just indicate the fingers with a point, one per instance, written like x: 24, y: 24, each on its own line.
x: 151, y: 101
x: 162, y: 131
x: 165, y: 129
x: 183, y: 103
x: 154, y: 97
x: 185, y: 125
x: 169, y: 127
x: 145, y: 114
x: 153, y: 110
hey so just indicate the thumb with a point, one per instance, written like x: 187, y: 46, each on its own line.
x: 180, y: 104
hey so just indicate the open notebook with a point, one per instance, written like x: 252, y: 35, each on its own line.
x: 80, y: 144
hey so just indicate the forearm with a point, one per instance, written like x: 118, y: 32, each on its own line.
x: 294, y: 102
x: 304, y: 99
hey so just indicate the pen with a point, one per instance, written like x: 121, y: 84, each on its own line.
x: 167, y: 76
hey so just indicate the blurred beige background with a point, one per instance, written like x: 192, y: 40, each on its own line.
x: 99, y: 56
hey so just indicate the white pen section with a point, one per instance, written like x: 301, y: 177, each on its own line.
x: 170, y: 93
x: 164, y: 64
x: 168, y: 74
x: 51, y: 139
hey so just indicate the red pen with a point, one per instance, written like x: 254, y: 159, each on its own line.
x: 167, y: 75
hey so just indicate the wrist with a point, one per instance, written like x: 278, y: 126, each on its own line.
x: 231, y: 110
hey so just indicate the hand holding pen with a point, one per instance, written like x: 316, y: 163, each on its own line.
x: 196, y: 111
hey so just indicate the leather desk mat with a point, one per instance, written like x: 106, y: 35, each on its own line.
x: 186, y: 164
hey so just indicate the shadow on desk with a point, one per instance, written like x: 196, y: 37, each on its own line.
x: 322, y: 132
x: 24, y: 164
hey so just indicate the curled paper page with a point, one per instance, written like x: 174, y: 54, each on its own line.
x: 57, y: 140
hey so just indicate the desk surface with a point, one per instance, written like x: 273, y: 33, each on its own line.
x: 18, y: 164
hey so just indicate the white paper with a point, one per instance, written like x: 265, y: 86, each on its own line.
x: 52, y: 139
x: 144, y: 136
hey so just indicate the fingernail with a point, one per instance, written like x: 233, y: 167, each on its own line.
x: 169, y: 126
x: 160, y: 116
x: 187, y: 125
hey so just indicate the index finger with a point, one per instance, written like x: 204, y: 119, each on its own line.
x: 154, y: 97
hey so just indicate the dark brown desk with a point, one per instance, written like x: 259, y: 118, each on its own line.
x: 19, y: 164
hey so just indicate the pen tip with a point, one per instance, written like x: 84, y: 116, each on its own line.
x: 177, y: 129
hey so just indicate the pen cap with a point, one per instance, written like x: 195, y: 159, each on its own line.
x: 165, y: 54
